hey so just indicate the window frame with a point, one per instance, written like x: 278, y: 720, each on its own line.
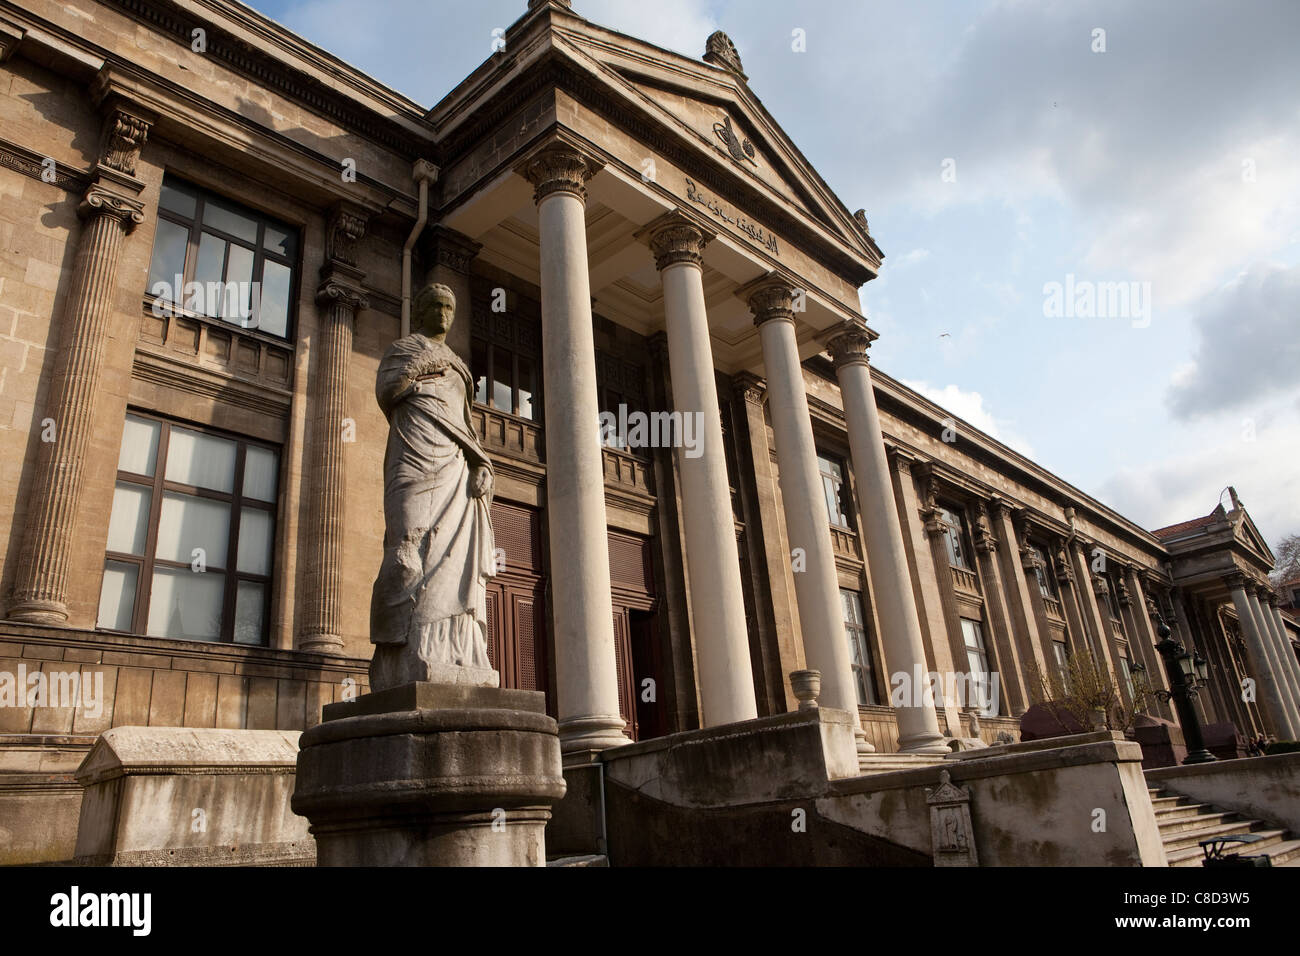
x: 261, y: 255
x: 159, y: 486
x: 977, y: 628
x: 955, y: 536
x: 856, y: 632
x: 1046, y: 577
x: 836, y: 487
x: 490, y: 349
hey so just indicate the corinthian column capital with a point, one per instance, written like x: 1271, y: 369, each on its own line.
x: 559, y: 169
x: 675, y: 238
x: 849, y: 345
x: 1235, y: 581
x: 771, y: 299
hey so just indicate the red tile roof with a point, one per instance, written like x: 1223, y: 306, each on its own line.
x: 1177, y: 529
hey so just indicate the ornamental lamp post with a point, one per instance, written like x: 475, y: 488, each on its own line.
x: 1187, y: 674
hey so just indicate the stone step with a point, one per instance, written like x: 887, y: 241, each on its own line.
x: 887, y: 763
x: 1182, y: 810
x: 1192, y: 836
x: 1272, y: 842
x: 1195, y: 822
x: 1165, y: 802
x: 592, y: 859
x: 1191, y: 841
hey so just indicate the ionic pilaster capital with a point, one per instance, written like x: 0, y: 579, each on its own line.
x: 985, y: 541
x: 343, y: 230
x: 344, y: 291
x: 559, y: 168
x: 675, y: 238
x: 100, y: 200
x: 1064, y: 573
x: 849, y: 344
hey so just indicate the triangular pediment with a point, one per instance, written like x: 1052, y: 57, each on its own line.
x: 1246, y: 532
x: 713, y: 110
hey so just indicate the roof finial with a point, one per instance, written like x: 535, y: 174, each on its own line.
x: 720, y: 51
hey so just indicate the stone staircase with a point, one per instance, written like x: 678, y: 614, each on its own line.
x: 1184, y: 823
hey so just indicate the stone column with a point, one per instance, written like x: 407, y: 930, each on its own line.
x: 712, y: 560
x: 995, y: 600
x: 1018, y: 564
x: 1281, y: 674
x: 887, y: 568
x: 110, y: 209
x: 585, y: 662
x: 1267, y: 691
x: 1096, y: 619
x: 339, y: 299
x: 1144, y: 611
x: 1286, y: 655
x: 816, y: 587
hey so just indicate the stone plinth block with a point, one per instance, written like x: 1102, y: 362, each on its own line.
x: 431, y: 775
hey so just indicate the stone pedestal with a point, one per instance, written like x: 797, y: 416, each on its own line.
x: 431, y: 775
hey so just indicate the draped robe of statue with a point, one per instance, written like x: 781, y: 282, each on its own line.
x: 428, y: 611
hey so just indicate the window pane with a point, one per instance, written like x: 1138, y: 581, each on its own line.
x: 221, y: 216
x: 139, y: 446
x: 209, y: 268
x: 200, y: 460
x: 254, y: 541
x: 501, y: 397
x: 186, y: 523
x: 250, y: 603
x: 128, y: 528
x: 178, y: 198
x: 117, y: 596
x: 260, y: 465
x: 183, y: 604
x: 478, y: 366
x: 282, y: 242
x: 525, y: 388
x: 237, y: 307
x: 273, y: 314
x: 169, y: 244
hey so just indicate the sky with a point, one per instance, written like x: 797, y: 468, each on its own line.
x: 1090, y: 210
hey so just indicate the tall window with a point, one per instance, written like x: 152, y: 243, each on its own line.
x: 834, y: 489
x: 505, y: 380
x: 1046, y: 579
x: 954, y: 537
x: 859, y: 654
x: 233, y: 264
x: 1061, y: 654
x: 190, y: 537
x: 977, y: 658
x: 1127, y: 670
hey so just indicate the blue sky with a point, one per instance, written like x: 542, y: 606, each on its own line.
x: 1170, y: 159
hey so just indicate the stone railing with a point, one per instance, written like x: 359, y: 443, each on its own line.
x: 508, y: 434
x: 627, y: 471
x: 844, y: 541
x: 965, y: 580
x: 1053, y: 607
x: 217, y: 346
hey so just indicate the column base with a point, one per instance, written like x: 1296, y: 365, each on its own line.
x: 431, y: 775
x: 580, y: 735
x: 39, y: 612
x: 320, y: 643
x: 924, y: 743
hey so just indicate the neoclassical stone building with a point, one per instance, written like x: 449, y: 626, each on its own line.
x: 194, y: 478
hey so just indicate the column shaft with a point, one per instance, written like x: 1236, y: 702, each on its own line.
x: 319, y: 626
x: 887, y: 568
x: 1280, y: 674
x: 40, y: 593
x: 1286, y: 655
x: 1266, y: 688
x: 807, y: 521
x: 586, y: 665
x: 712, y: 560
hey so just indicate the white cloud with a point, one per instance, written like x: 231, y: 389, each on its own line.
x: 969, y: 407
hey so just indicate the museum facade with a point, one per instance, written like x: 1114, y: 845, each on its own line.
x: 210, y: 233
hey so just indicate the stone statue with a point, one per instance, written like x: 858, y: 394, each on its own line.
x: 429, y: 608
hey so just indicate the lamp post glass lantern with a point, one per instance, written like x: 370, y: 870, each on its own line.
x: 1187, y: 674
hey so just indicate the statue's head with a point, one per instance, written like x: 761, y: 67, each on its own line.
x: 434, y: 310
